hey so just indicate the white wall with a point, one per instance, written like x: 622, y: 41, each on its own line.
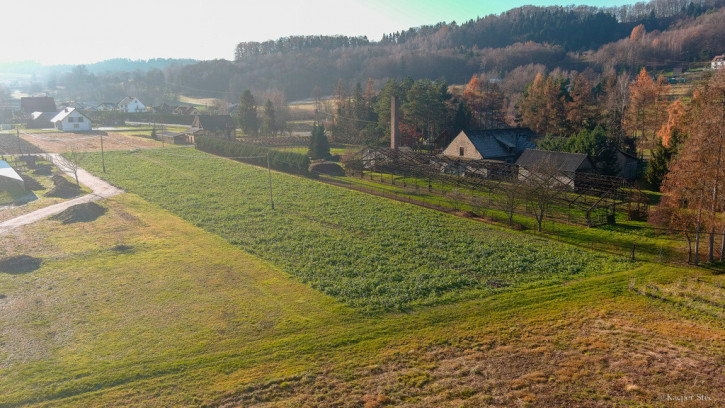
x: 73, y: 123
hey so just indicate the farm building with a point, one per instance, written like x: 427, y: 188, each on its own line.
x: 31, y: 104
x: 560, y: 167
x: 494, y: 144
x: 40, y: 120
x: 71, y: 120
x: 627, y: 165
x: 185, y: 110
x: 130, y: 104
x: 9, y: 178
x: 221, y: 126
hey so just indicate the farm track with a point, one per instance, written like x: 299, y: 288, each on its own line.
x: 101, y: 189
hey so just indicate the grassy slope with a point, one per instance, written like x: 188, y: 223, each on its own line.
x: 186, y: 319
x: 364, y: 250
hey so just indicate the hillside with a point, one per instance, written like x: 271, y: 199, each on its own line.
x: 142, y: 308
x: 554, y: 37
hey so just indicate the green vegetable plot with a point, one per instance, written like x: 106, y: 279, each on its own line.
x: 369, y: 252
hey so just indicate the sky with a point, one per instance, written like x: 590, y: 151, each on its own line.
x: 87, y: 31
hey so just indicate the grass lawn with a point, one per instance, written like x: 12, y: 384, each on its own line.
x: 369, y: 252
x: 140, y: 308
x: 616, y: 239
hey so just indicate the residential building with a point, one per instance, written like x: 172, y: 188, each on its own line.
x: 130, y: 104
x: 71, y: 120
x: 718, y: 62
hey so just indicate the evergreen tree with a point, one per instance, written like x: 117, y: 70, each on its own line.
x: 269, y: 124
x: 248, y: 114
x: 319, y: 147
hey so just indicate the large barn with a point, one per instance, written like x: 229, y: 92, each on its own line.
x: 31, y: 104
x: 560, y: 167
x: 504, y: 145
x: 221, y: 126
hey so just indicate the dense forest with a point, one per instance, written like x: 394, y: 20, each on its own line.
x: 511, y: 47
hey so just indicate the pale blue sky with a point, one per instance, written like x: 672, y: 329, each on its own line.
x: 86, y: 31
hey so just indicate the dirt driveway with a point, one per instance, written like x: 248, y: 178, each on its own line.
x: 101, y: 189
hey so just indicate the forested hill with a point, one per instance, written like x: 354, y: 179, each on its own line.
x: 112, y: 65
x: 511, y: 48
x: 554, y: 37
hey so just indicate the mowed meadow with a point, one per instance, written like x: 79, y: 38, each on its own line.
x: 191, y: 291
x: 368, y: 252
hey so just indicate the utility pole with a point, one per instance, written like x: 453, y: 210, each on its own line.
x: 20, y: 144
x: 103, y: 159
x: 269, y: 173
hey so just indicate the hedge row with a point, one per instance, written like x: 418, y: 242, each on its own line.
x: 288, y: 162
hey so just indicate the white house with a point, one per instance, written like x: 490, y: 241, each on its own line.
x: 718, y: 62
x: 71, y: 120
x: 131, y: 104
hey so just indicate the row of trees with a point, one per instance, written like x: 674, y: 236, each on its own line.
x: 249, y: 120
x: 695, y: 182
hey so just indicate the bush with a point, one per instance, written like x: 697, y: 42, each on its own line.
x: 288, y: 162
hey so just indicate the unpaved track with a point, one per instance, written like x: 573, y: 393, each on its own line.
x: 101, y: 189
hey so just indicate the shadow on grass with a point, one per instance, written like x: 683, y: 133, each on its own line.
x: 16, y: 265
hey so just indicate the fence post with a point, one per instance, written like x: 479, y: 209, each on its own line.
x: 633, y: 248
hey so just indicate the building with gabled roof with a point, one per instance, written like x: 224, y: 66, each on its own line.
x: 564, y: 166
x: 185, y: 110
x: 494, y: 144
x: 71, y: 120
x: 131, y: 104
x: 30, y: 104
x: 40, y: 120
x: 718, y: 62
x: 221, y: 126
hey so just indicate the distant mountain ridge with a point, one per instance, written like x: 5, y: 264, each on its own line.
x: 112, y: 65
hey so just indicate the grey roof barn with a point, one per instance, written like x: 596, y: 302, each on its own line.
x: 568, y: 163
x: 492, y: 144
x: 32, y: 104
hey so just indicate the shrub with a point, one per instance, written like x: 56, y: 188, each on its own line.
x: 289, y: 162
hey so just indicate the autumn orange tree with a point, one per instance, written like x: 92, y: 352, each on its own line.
x: 667, y: 142
x: 542, y: 106
x: 696, y: 181
x: 645, y: 115
x: 486, y: 102
x: 580, y: 108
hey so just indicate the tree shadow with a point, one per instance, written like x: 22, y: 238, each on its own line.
x: 16, y: 265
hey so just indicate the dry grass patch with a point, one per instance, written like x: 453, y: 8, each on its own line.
x: 61, y: 142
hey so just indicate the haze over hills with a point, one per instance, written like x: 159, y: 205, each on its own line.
x: 511, y: 47
x: 112, y: 65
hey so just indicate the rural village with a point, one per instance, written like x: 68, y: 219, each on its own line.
x: 443, y: 218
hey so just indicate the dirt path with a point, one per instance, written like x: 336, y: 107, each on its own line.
x: 101, y: 189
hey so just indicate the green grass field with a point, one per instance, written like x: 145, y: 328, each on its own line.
x: 140, y: 308
x: 366, y: 251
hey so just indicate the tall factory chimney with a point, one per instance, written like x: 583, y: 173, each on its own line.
x: 394, y: 130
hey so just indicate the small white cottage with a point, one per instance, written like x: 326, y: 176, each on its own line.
x: 71, y: 120
x: 130, y: 104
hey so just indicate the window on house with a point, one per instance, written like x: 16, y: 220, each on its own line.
x: 75, y: 126
x: 461, y: 151
x: 80, y: 119
x: 70, y: 120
